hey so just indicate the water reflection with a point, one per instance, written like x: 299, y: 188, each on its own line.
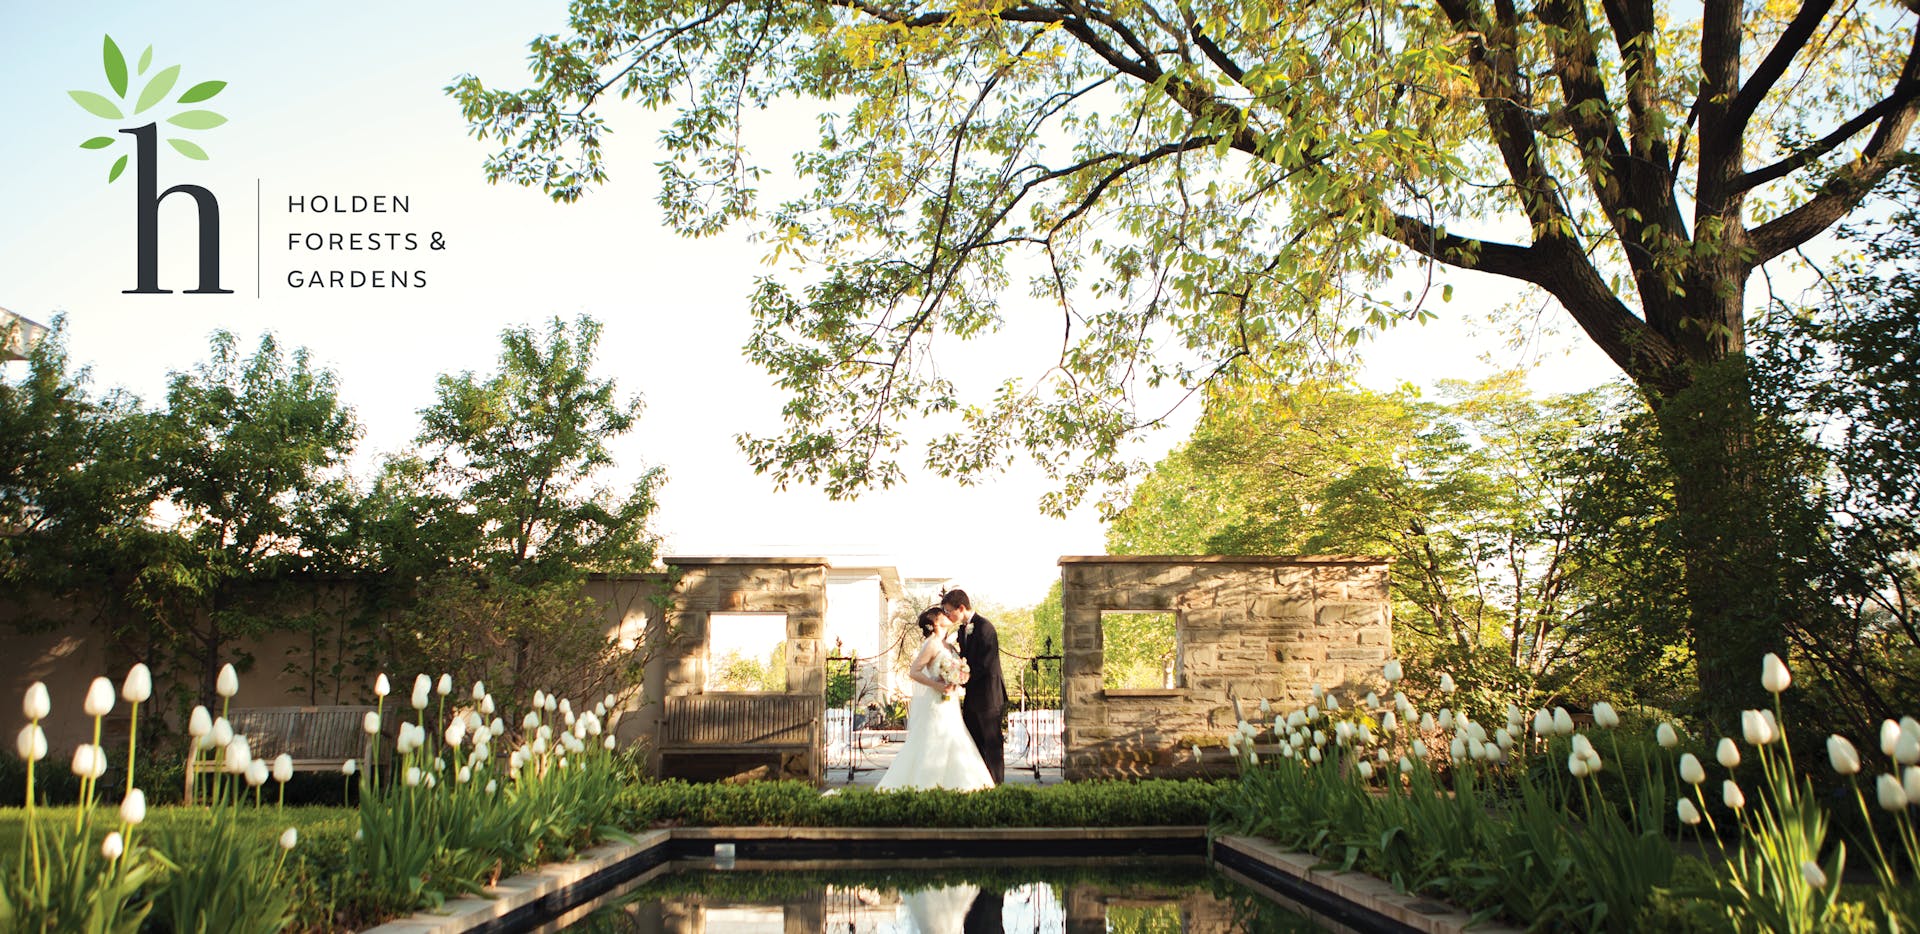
x: 1183, y: 899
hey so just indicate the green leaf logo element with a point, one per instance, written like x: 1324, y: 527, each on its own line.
x: 157, y: 88
x: 202, y: 91
x: 95, y: 104
x: 146, y: 58
x: 197, y: 119
x: 187, y: 149
x: 118, y: 167
x: 98, y: 142
x: 116, y: 67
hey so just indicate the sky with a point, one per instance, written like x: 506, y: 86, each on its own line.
x: 350, y: 102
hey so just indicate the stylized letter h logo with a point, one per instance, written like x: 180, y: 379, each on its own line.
x: 147, y: 216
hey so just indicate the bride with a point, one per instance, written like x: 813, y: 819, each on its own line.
x: 938, y: 752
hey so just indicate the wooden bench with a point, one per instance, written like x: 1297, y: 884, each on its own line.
x: 741, y: 735
x: 318, y: 738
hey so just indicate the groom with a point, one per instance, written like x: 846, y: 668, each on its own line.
x: 984, y: 708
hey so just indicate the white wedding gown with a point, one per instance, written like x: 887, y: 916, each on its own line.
x: 938, y: 752
x: 937, y: 911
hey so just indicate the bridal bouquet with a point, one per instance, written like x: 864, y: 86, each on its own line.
x: 953, y: 670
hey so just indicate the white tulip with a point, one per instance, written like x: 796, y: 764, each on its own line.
x: 1344, y: 731
x: 1577, y: 766
x: 413, y: 776
x: 465, y: 774
x: 611, y: 701
x: 609, y: 743
x: 493, y: 785
x: 539, y: 746
x: 221, y: 734
x: 1365, y: 769
x: 531, y: 721
x: 1542, y: 722
x: 1727, y: 752
x: 199, y: 723
x: 456, y: 732
x: 1266, y: 709
x: 445, y: 686
x: 1907, y: 751
x: 1582, y: 746
x: 133, y: 808
x: 258, y: 772
x: 99, y: 701
x: 498, y: 727
x: 381, y: 687
x: 1756, y: 728
x: 1316, y: 690
x: 84, y: 757
x: 1391, y: 671
x: 1314, y: 755
x: 1562, y: 721
x: 1892, y: 796
x: 1889, y: 737
x: 228, y: 683
x: 1809, y: 870
x: 349, y: 767
x: 1373, y: 700
x: 1445, y: 720
x: 1389, y: 723
x: 1426, y: 723
x: 38, y: 702
x: 282, y: 768
x: 479, y: 691
x: 1502, y: 739
x: 1845, y: 758
x: 1333, y: 701
x: 1910, y: 782
x: 1319, y: 738
x: 1419, y: 749
x: 1730, y: 794
x: 1690, y: 770
x: 1689, y: 815
x: 32, y: 743
x: 1406, y: 765
x: 112, y: 846
x: 1666, y: 736
x: 1604, y: 717
x: 1773, y: 674
x: 1312, y: 712
x: 546, y: 732
x: 486, y: 705
x: 289, y: 839
x: 1446, y: 683
x: 239, y: 756
x: 1362, y: 735
x: 371, y: 723
x: 139, y: 684
x: 1458, y: 748
x: 422, y: 693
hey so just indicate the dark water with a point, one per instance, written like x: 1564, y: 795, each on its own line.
x: 1164, y: 896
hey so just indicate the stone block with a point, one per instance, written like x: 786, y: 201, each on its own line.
x: 1352, y: 615
x: 1197, y: 598
x: 1357, y: 654
x: 1275, y: 607
x: 1296, y: 581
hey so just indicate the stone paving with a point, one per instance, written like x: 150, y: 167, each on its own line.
x: 863, y: 767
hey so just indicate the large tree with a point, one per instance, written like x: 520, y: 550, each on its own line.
x: 1209, y: 186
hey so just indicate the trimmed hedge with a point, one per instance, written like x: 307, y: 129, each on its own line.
x: 1160, y: 803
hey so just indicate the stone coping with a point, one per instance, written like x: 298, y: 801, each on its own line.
x: 932, y: 834
x: 475, y: 913
x: 1222, y: 559
x: 1406, y: 912
x: 745, y: 560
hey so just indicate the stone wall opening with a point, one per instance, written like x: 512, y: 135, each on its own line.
x: 1140, y: 651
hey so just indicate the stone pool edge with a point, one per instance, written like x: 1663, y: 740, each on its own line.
x: 552, y: 888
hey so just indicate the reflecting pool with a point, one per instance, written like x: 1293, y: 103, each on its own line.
x: 1177, y: 895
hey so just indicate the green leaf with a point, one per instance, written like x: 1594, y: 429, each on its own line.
x: 146, y: 58
x: 96, y: 104
x: 197, y: 119
x: 187, y: 149
x: 1446, y: 292
x: 116, y: 67
x: 202, y: 91
x: 98, y: 142
x: 119, y: 165
x: 157, y: 88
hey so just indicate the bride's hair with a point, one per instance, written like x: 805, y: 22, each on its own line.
x: 926, y: 619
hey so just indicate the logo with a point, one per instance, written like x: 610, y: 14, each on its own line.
x: 153, y: 101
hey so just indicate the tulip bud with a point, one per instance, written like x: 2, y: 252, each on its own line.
x: 1344, y: 731
x: 133, y: 809
x: 113, y: 846
x: 1333, y: 701
x: 493, y: 785
x: 221, y: 734
x: 1690, y: 770
x: 1391, y: 671
x: 1316, y: 690
x: 1427, y: 725
x: 1446, y: 683
x: 422, y: 690
x: 1892, y: 796
x: 258, y: 772
x: 465, y: 774
x: 498, y: 727
x: 486, y: 705
x: 413, y: 776
x: 289, y: 839
x: 371, y: 723
x: 1889, y: 737
x: 539, y: 699
x: 1458, y: 748
x: 1577, y: 766
x: 479, y: 691
x: 199, y: 723
x: 84, y: 757
x: 1503, y: 739
x: 445, y: 686
x: 456, y: 732
x: 139, y: 684
x: 1666, y: 736
x: 1373, y: 700
x: 1406, y: 765
x: 1319, y: 738
x: 531, y: 721
x: 228, y: 683
x: 1907, y: 751
x: 37, y: 703
x: 1445, y: 720
x: 282, y: 768
x: 1314, y: 755
x: 32, y: 743
x: 1389, y: 723
x: 1756, y: 728
x: 381, y: 687
x: 1727, y: 752
x: 1604, y: 717
x: 1773, y: 674
x: 1365, y: 769
x: 1419, y: 749
x: 1266, y: 709
x: 1689, y: 815
x: 239, y: 756
x: 1910, y: 782
x: 99, y: 701
x: 1840, y: 752
x: 1732, y: 796
x: 1809, y: 870
x: 1562, y: 721
x: 349, y: 767
x: 609, y: 743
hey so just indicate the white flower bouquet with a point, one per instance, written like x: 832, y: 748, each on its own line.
x: 953, y: 670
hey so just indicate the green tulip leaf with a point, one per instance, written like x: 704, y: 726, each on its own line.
x: 116, y: 67
x: 202, y: 91
x: 96, y: 104
x: 98, y: 142
x: 118, y: 167
x: 197, y: 119
x: 146, y: 58
x: 157, y: 88
x: 187, y: 149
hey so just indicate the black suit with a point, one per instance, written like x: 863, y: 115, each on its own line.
x: 984, y: 709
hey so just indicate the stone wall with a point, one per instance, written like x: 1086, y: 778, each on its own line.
x: 1246, y: 627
